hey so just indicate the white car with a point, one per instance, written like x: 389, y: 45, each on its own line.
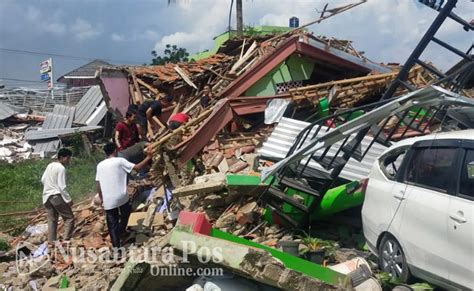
x: 418, y: 211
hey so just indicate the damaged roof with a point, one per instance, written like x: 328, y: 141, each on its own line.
x: 86, y: 71
x: 167, y: 73
x: 260, y: 49
x: 6, y: 111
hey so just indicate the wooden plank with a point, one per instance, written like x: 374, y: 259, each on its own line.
x: 132, y: 94
x: 138, y: 93
x: 180, y: 129
x: 185, y: 77
x: 144, y: 84
x: 190, y: 107
x: 250, y: 52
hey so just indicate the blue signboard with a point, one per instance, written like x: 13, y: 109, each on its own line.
x: 45, y: 77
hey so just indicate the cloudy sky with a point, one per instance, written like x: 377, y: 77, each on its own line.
x: 126, y: 31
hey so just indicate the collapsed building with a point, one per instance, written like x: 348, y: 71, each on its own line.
x: 309, y: 111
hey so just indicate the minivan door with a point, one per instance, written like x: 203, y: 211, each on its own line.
x: 423, y: 231
x: 461, y: 227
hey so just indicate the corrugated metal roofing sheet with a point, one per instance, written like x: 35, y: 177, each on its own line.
x: 54, y: 133
x: 61, y: 117
x: 6, y: 111
x: 97, y: 115
x: 88, y: 104
x: 284, y: 134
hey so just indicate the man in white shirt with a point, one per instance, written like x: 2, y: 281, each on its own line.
x: 56, y: 199
x: 111, y: 180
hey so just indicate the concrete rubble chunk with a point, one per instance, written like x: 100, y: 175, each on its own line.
x: 246, y: 214
x: 5, y: 152
x: 202, y: 188
x: 226, y: 220
x: 251, y: 262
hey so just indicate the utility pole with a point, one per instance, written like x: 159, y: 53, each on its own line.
x: 240, y: 27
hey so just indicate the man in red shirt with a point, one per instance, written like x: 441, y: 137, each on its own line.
x: 177, y: 120
x: 126, y: 132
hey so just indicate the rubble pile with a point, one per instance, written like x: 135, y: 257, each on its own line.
x: 229, y: 209
x: 13, y: 146
x: 231, y: 118
x: 209, y: 166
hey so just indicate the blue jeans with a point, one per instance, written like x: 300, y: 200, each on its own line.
x: 117, y: 220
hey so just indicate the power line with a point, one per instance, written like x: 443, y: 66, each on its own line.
x: 20, y: 80
x: 79, y: 58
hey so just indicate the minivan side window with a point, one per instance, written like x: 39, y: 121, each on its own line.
x: 391, y: 162
x: 432, y: 168
x: 466, y: 185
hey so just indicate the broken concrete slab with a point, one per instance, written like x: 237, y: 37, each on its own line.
x: 256, y: 263
x: 247, y: 213
x: 219, y: 177
x: 202, y: 188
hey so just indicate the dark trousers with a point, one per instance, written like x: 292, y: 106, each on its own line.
x: 117, y: 220
x: 55, y: 207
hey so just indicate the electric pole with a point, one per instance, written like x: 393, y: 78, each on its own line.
x: 240, y: 26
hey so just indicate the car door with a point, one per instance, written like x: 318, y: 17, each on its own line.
x: 423, y: 231
x: 461, y: 226
x: 380, y: 191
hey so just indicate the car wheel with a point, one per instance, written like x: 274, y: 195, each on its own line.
x: 392, y: 259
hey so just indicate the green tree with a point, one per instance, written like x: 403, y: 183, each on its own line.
x: 172, y: 54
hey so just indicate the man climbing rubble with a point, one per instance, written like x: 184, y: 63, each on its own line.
x: 111, y: 181
x: 56, y: 199
x: 149, y: 112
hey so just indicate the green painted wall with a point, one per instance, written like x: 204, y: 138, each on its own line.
x: 295, y: 68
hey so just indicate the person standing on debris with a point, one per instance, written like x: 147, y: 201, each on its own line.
x: 111, y: 178
x: 126, y: 132
x: 56, y: 199
x: 150, y: 111
x: 177, y: 120
x: 206, y: 97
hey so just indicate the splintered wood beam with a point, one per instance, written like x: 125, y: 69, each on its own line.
x: 345, y: 81
x: 132, y: 94
x: 219, y: 75
x: 138, y: 93
x: 185, y: 77
x: 190, y: 107
x: 144, y: 84
x: 180, y: 129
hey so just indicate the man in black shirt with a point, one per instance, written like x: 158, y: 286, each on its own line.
x: 147, y: 111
